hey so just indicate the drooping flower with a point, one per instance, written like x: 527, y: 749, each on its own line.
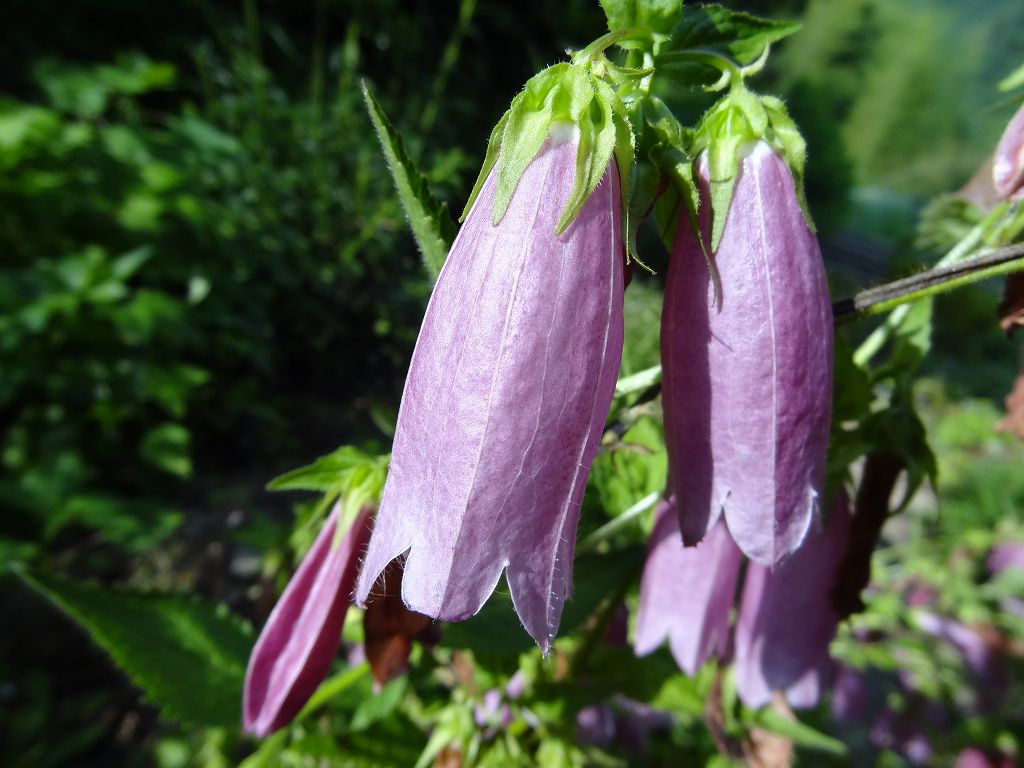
x: 747, y: 364
x: 786, y: 619
x: 686, y: 593
x: 1008, y: 163
x: 300, y: 639
x: 506, y: 398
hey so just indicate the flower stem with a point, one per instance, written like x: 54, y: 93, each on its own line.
x: 884, y: 298
x: 618, y: 523
x: 606, y: 41
x: 731, y: 71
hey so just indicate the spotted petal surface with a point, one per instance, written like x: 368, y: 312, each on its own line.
x: 506, y: 398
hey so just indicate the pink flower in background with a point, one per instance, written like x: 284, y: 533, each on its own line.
x: 786, y: 619
x: 1008, y: 556
x: 747, y: 366
x: 1005, y: 556
x: 972, y: 757
x: 300, y: 639
x: 686, y: 593
x: 1008, y: 163
x: 505, y: 402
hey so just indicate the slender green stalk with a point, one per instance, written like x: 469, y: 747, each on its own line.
x: 731, y: 71
x: 448, y: 60
x: 971, y: 242
x: 618, y: 523
x: 884, y: 298
x: 606, y: 41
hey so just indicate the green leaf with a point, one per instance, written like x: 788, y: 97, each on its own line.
x: 740, y: 36
x: 432, y: 226
x: 137, y: 525
x: 722, y: 131
x: 188, y: 657
x: 851, y: 387
x: 653, y: 15
x: 207, y: 138
x: 633, y: 468
x: 126, y: 265
x: 911, y: 339
x: 494, y: 632
x: 379, y: 706
x: 801, y: 734
x: 1013, y: 80
x: 786, y: 139
x: 167, y: 447
x: 356, y: 477
x: 20, y: 125
x: 13, y: 551
x: 595, y: 576
x: 638, y: 382
x: 490, y: 158
x: 327, y: 472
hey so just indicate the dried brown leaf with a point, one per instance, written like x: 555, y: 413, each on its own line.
x: 1014, y: 421
x: 1011, y: 308
x: 389, y: 627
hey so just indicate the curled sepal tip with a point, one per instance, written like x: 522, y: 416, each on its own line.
x: 735, y: 121
x: 564, y: 101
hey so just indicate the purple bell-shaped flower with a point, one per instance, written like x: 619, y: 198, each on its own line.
x: 746, y: 347
x: 506, y: 399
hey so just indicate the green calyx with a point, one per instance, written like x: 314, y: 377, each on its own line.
x: 564, y: 94
x: 736, y: 119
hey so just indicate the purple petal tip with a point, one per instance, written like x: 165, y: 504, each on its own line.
x: 686, y: 593
x: 300, y: 639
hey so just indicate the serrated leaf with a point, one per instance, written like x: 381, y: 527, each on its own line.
x: 432, y: 226
x: 740, y: 36
x: 188, y: 657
